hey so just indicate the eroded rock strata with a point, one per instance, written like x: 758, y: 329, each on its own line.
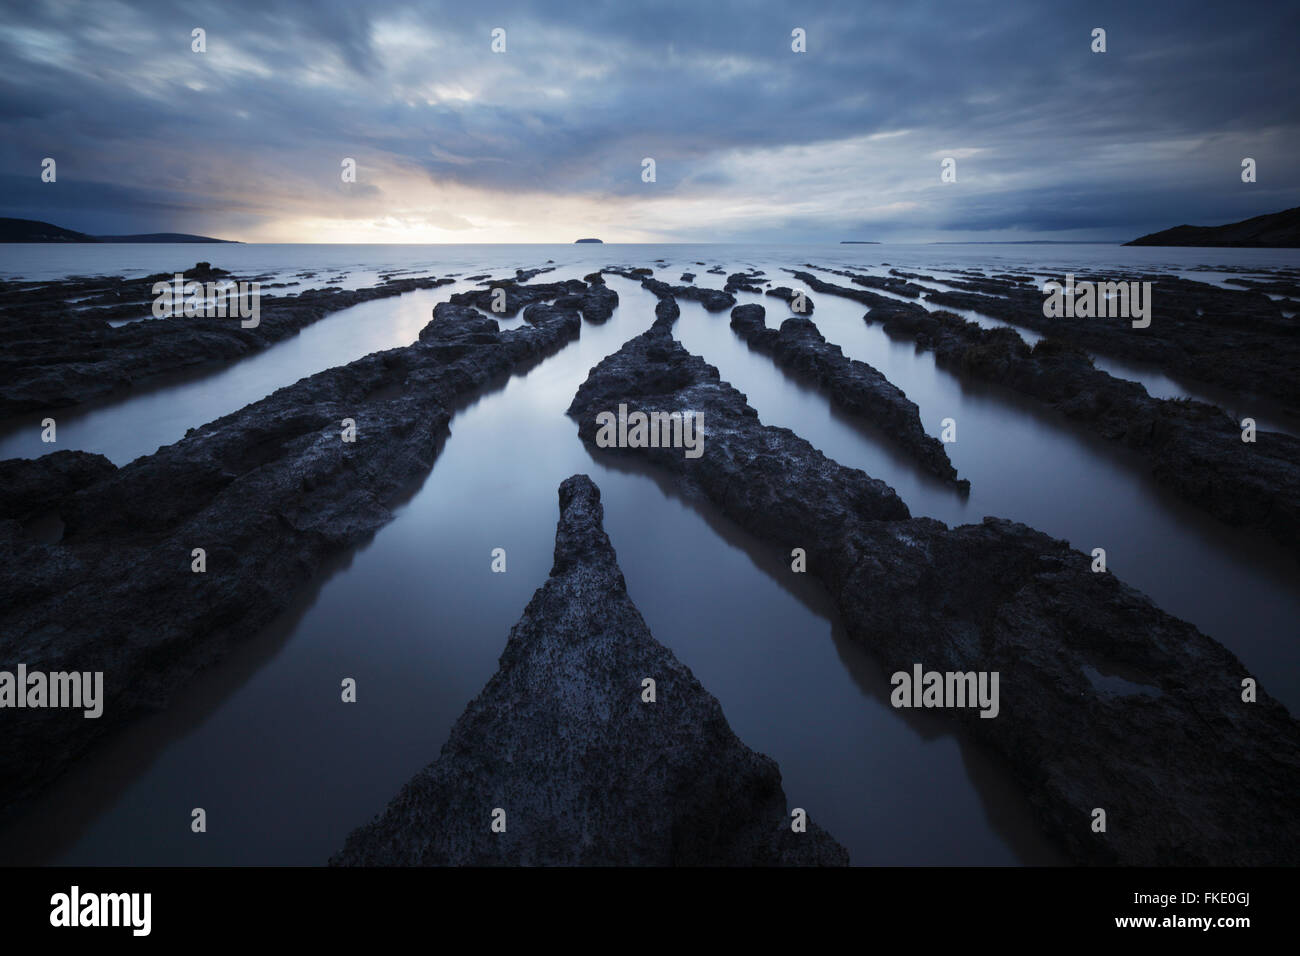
x: 858, y: 388
x: 507, y: 297
x: 713, y: 300
x: 1234, y: 339
x: 1193, y: 448
x: 269, y: 492
x: 1107, y: 702
x: 55, y: 355
x: 585, y: 770
x: 804, y: 305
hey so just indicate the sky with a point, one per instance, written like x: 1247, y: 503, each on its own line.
x: 546, y: 141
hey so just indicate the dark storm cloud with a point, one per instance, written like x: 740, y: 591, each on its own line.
x: 1048, y: 136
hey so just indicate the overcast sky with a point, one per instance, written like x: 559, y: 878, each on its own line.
x: 545, y: 142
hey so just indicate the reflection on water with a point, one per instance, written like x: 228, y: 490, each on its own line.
x: 125, y: 427
x: 1032, y: 465
x: 285, y: 770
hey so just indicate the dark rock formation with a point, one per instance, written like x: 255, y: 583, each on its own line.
x: 1278, y: 230
x: 667, y: 311
x: 33, y: 230
x: 33, y: 487
x: 1193, y: 448
x: 742, y: 282
x: 598, y: 303
x: 1186, y: 772
x: 714, y: 300
x: 657, y: 374
x: 687, y: 277
x: 792, y: 298
x: 269, y: 492
x: 895, y: 285
x: 517, y: 295
x: 585, y: 770
x: 854, y: 386
x: 54, y: 356
x: 1238, y: 340
x: 527, y: 275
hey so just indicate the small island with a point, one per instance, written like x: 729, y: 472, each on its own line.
x: 576, y: 241
x: 858, y: 242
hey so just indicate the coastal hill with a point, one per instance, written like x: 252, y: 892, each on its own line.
x: 32, y: 230
x: 1278, y: 230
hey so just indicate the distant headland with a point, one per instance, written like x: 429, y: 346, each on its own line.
x: 32, y: 230
x: 576, y: 241
x: 1277, y: 230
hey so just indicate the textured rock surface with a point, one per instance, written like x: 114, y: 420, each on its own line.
x: 714, y: 300
x: 1105, y: 700
x: 1230, y: 338
x: 1194, y: 448
x: 790, y: 296
x: 269, y: 492
x: 517, y: 295
x: 585, y: 770
x: 856, y: 387
x: 55, y: 355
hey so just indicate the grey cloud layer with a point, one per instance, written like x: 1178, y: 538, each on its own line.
x: 1145, y: 136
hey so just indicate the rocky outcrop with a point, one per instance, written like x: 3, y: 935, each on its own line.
x: 599, y: 303
x: 1193, y: 448
x: 654, y: 373
x: 507, y: 297
x: 743, y: 282
x: 34, y: 487
x: 667, y: 312
x: 269, y: 493
x: 55, y: 355
x: 1234, y: 339
x: 713, y: 300
x: 896, y: 285
x: 1106, y: 702
x: 858, y: 388
x: 584, y: 769
x: 1278, y: 230
x: 803, y: 306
